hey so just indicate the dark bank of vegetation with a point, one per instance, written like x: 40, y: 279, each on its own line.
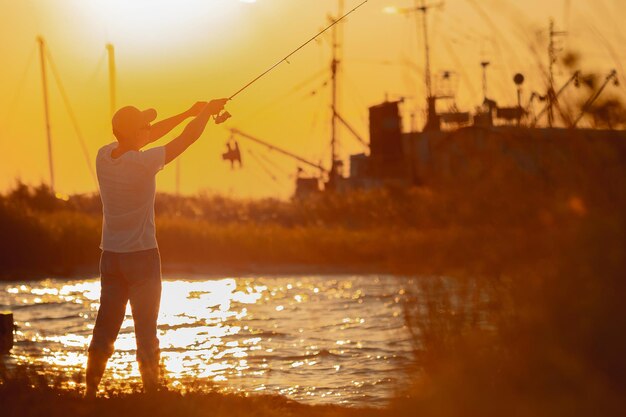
x: 491, y: 213
x: 386, y: 230
x: 531, y: 325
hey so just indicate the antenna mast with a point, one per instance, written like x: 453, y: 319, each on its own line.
x: 334, y: 68
x: 432, y: 122
x: 424, y: 9
x: 552, y: 51
x: 42, y: 57
x: 484, y: 65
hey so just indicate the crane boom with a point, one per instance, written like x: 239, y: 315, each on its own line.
x: 277, y: 149
x: 594, y: 97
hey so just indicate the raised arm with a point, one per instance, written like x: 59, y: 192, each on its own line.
x: 193, y: 130
x: 163, y: 127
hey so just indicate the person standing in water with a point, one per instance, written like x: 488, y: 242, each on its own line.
x: 130, y: 264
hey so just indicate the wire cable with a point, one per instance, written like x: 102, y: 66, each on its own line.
x: 273, y: 164
x: 263, y: 166
x: 73, y: 119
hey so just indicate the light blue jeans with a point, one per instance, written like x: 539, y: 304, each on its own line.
x: 134, y: 277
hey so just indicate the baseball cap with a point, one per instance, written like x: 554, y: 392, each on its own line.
x: 127, y: 120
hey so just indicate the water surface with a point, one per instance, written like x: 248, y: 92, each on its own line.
x: 316, y: 339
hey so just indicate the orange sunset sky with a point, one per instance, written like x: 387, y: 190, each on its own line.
x: 171, y: 53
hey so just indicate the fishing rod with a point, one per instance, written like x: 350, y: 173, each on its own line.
x: 222, y: 117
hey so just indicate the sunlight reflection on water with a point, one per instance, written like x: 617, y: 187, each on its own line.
x: 316, y: 339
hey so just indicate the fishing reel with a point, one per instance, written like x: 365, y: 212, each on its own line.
x: 222, y: 117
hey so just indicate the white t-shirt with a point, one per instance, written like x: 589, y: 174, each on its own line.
x: 127, y: 190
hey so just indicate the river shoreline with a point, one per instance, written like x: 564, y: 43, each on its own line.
x: 453, y: 251
x: 21, y: 400
x: 206, y: 271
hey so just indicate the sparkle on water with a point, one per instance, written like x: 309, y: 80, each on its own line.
x: 314, y: 339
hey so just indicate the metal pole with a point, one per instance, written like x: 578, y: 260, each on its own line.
x: 334, y: 68
x: 424, y: 11
x: 112, y: 77
x: 552, y: 51
x: 551, y: 59
x: 484, y: 64
x: 432, y: 122
x: 42, y: 58
x: 519, y: 105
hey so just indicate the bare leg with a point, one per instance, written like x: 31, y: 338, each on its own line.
x: 145, y: 299
x: 96, y: 363
x: 149, y: 376
x: 113, y: 300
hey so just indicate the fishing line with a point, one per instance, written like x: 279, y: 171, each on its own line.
x: 275, y: 184
x: 274, y: 165
x: 276, y: 101
x: 220, y: 118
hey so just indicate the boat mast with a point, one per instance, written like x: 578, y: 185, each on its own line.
x: 552, y: 52
x: 112, y: 77
x: 334, y: 68
x: 42, y: 57
x: 432, y: 121
x: 427, y: 78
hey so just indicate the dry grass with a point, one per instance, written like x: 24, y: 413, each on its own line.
x: 25, y: 394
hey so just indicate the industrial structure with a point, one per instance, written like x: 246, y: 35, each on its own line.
x: 402, y: 158
x: 455, y: 143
